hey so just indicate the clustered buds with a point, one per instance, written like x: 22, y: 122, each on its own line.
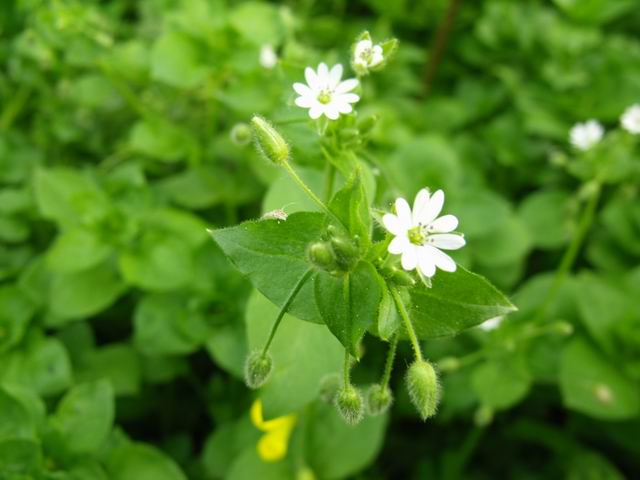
x: 350, y: 404
x: 257, y: 369
x: 268, y: 141
x: 424, y: 389
x: 369, y: 57
x: 379, y: 399
x: 339, y: 253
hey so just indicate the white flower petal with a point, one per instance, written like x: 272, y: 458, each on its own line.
x: 441, y: 259
x: 303, y: 90
x: 346, y: 86
x: 433, y: 209
x: 426, y: 262
x: 403, y: 211
x: 361, y: 47
x: 409, y: 259
x: 347, y: 98
x: 394, y: 225
x: 316, y: 111
x: 398, y: 245
x: 335, y: 75
x: 312, y: 79
x: 447, y: 241
x: 419, y: 204
x: 332, y: 111
x: 323, y: 74
x: 344, y: 107
x: 444, y: 224
x: 305, y: 102
x: 377, y: 56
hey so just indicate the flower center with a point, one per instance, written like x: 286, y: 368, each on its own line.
x: 367, y: 55
x: 324, y: 97
x: 416, y: 235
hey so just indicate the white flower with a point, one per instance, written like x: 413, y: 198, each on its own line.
x: 366, y: 55
x: 325, y: 93
x: 630, y: 119
x: 268, y: 57
x: 585, y: 135
x: 491, y: 324
x: 419, y: 234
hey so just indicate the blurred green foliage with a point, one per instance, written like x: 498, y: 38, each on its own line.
x: 123, y: 328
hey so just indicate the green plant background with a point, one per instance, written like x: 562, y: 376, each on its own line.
x: 123, y: 328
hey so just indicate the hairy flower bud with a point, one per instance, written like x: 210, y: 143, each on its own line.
x: 269, y: 141
x: 321, y: 255
x: 350, y: 404
x: 329, y: 387
x: 257, y: 369
x: 424, y: 389
x: 241, y: 134
x: 379, y: 399
x: 345, y: 250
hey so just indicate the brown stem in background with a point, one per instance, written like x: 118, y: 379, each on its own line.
x: 439, y: 44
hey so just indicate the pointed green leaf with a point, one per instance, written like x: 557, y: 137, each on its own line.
x: 352, y: 207
x: 456, y: 301
x: 349, y: 303
x: 273, y: 254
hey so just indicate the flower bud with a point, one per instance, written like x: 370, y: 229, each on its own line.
x: 366, y: 124
x: 424, y: 389
x: 329, y: 387
x: 350, y: 405
x: 379, y: 399
x: 448, y: 364
x: 269, y: 141
x: 305, y: 473
x: 344, y: 249
x: 257, y: 369
x: 402, y: 278
x: 241, y: 134
x: 321, y: 255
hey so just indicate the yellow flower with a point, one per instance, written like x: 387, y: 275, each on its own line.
x: 273, y: 445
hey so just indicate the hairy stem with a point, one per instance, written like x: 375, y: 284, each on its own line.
x: 330, y: 177
x: 296, y: 178
x: 347, y: 368
x: 285, y: 306
x: 440, y: 43
x: 407, y: 322
x: 388, y: 366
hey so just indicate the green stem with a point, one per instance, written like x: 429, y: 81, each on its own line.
x: 14, y: 107
x: 388, y: 366
x: 296, y: 178
x: 285, y: 307
x: 570, y: 254
x: 347, y: 369
x: 407, y: 323
x: 346, y: 293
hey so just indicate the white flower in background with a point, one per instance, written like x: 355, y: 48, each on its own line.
x: 325, y: 93
x: 585, y: 135
x: 366, y: 55
x: 268, y: 57
x: 630, y: 119
x: 491, y: 324
x: 420, y: 234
